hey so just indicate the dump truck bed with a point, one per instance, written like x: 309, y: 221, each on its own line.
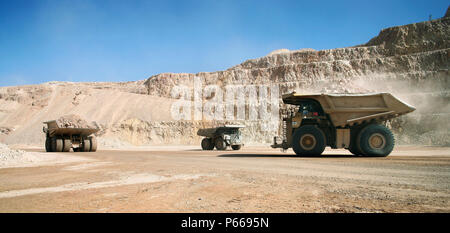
x: 210, y: 132
x: 350, y: 109
x: 54, y: 129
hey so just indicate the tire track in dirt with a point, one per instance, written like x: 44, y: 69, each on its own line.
x: 129, y: 180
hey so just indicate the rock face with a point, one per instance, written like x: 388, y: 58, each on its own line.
x: 410, y: 61
x: 411, y: 53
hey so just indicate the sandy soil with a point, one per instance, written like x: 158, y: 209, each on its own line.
x: 254, y: 179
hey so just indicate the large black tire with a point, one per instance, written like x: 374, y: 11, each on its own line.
x: 48, y: 144
x: 57, y: 144
x: 86, y: 145
x: 236, y: 147
x: 353, y: 147
x: 67, y: 145
x: 220, y: 144
x: 308, y: 140
x: 376, y: 141
x: 207, y: 144
x: 93, y: 142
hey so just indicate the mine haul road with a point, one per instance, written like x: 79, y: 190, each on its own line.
x: 254, y: 179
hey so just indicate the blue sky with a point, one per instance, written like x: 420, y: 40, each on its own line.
x: 87, y: 40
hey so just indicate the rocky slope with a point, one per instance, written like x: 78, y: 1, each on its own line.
x: 410, y: 61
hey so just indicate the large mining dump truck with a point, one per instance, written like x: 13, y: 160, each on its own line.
x: 63, y: 139
x: 350, y: 121
x: 221, y: 137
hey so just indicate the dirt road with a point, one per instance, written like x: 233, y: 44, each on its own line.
x: 254, y: 179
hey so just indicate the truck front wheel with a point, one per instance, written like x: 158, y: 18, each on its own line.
x: 308, y: 140
x: 220, y: 144
x: 376, y: 140
x: 236, y: 147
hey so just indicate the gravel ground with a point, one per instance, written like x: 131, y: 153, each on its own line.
x: 254, y: 179
x: 7, y: 154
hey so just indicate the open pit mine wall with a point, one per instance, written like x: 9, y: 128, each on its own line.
x: 410, y: 61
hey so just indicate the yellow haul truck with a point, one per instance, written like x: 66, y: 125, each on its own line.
x: 350, y: 121
x: 63, y: 139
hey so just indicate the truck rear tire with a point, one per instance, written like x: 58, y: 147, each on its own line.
x: 48, y: 144
x: 207, y: 144
x: 376, y: 140
x: 93, y: 142
x: 308, y: 140
x: 86, y: 145
x: 220, y: 144
x: 67, y: 145
x: 236, y: 147
x: 57, y: 144
x: 354, y: 150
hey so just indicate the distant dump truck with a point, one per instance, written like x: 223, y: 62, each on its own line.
x: 221, y: 137
x: 63, y: 139
x: 350, y: 121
